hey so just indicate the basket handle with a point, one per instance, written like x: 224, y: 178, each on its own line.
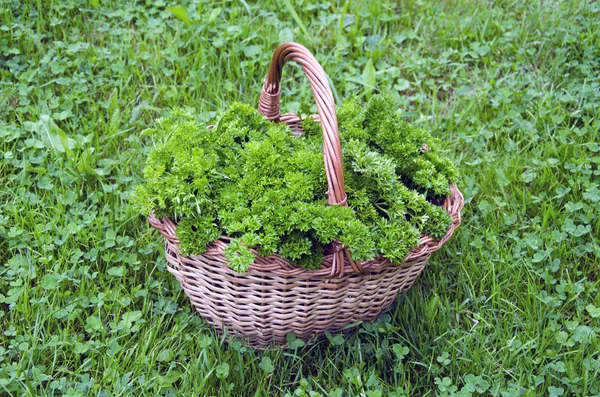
x: 269, y: 106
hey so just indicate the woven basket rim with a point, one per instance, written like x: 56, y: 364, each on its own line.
x: 282, y: 267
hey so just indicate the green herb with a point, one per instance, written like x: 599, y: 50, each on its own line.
x: 252, y: 180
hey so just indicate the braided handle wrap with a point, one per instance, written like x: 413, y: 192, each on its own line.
x: 269, y: 105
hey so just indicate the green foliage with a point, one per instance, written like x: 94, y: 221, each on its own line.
x: 254, y: 181
x: 509, y: 307
x: 238, y: 255
x: 379, y: 125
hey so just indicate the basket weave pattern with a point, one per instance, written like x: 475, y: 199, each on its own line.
x: 275, y: 297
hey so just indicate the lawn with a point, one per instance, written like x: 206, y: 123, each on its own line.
x: 509, y: 307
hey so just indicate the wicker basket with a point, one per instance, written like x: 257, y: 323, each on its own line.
x: 275, y: 297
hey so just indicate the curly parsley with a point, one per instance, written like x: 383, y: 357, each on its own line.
x: 252, y: 180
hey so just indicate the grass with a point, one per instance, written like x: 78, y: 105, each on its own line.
x: 510, y: 307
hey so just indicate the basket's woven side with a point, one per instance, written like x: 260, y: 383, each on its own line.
x: 275, y: 297
x: 262, y: 307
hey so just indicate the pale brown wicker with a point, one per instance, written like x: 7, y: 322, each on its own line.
x: 275, y: 297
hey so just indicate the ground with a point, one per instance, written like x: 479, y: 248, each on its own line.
x: 509, y: 307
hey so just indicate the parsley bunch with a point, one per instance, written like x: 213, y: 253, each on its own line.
x: 252, y: 180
